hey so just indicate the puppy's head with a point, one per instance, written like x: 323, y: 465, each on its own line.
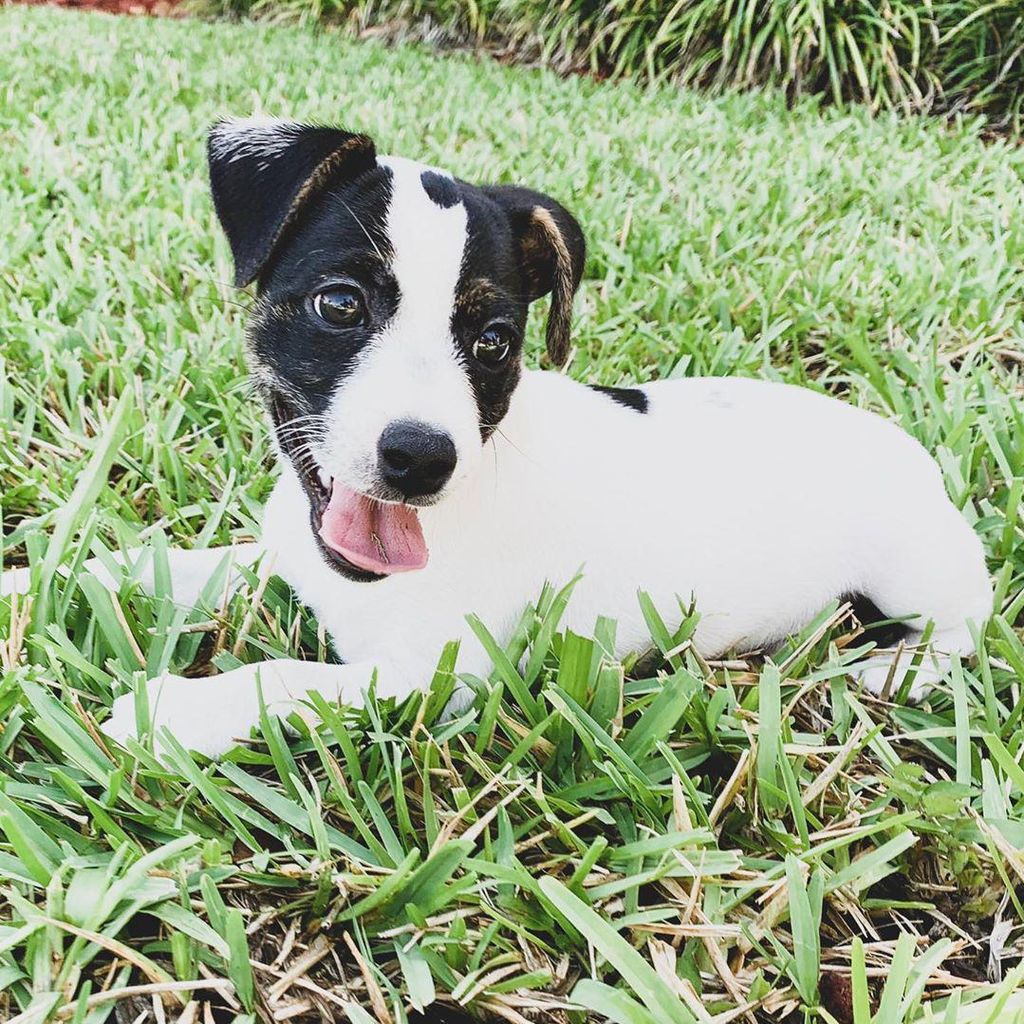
x: 387, y: 333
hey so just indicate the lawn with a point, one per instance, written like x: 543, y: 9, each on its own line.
x: 667, y: 840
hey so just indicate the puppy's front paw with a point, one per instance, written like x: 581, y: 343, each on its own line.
x: 168, y: 697
x: 122, y: 725
x: 206, y: 715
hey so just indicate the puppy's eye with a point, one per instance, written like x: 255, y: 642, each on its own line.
x: 493, y: 346
x: 340, y: 305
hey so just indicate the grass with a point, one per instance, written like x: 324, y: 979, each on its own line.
x: 910, y: 55
x: 666, y: 840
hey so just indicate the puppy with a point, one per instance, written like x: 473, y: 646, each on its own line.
x: 426, y: 474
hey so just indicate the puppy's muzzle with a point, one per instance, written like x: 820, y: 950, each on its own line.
x: 414, y: 459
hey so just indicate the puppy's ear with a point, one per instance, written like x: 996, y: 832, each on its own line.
x: 262, y: 172
x: 551, y: 253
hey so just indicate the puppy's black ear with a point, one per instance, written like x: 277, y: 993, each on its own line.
x: 551, y: 254
x: 261, y: 174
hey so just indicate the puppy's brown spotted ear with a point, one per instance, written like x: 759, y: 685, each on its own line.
x: 551, y: 254
x: 262, y: 172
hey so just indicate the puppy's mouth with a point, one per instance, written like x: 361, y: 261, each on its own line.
x: 378, y: 538
x: 362, y: 537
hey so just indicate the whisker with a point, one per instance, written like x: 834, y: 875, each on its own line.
x: 508, y: 440
x: 308, y: 417
x: 362, y: 227
x: 246, y: 306
x: 246, y: 384
x: 300, y: 438
x: 300, y: 424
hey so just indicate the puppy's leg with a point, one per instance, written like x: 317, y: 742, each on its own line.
x: 210, y: 715
x: 192, y: 569
x: 189, y: 570
x: 937, y: 574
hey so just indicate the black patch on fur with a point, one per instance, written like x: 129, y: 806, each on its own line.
x: 442, y: 190
x: 341, y: 237
x: 631, y: 398
x: 877, y: 625
x: 550, y: 254
x: 260, y: 189
x: 507, y: 265
x: 490, y: 289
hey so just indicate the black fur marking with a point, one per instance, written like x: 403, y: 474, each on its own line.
x: 877, y: 625
x: 260, y: 191
x: 550, y: 253
x: 340, y: 236
x: 441, y: 189
x: 490, y: 288
x: 299, y: 361
x: 631, y: 398
x: 508, y: 263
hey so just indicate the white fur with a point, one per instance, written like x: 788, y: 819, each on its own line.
x: 190, y: 571
x: 763, y: 501
x: 239, y: 137
x: 411, y: 370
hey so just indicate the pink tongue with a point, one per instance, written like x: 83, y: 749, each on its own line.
x: 375, y: 537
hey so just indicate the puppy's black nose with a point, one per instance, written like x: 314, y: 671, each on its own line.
x: 414, y: 459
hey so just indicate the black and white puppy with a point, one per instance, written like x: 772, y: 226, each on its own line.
x: 425, y: 474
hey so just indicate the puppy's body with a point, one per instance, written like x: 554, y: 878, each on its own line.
x: 763, y: 502
x: 426, y: 475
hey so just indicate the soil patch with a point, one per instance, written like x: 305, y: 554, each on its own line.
x: 158, y: 8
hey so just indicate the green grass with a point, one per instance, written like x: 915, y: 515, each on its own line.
x: 590, y: 839
x: 910, y: 55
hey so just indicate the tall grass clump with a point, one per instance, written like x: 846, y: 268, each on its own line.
x: 910, y: 55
